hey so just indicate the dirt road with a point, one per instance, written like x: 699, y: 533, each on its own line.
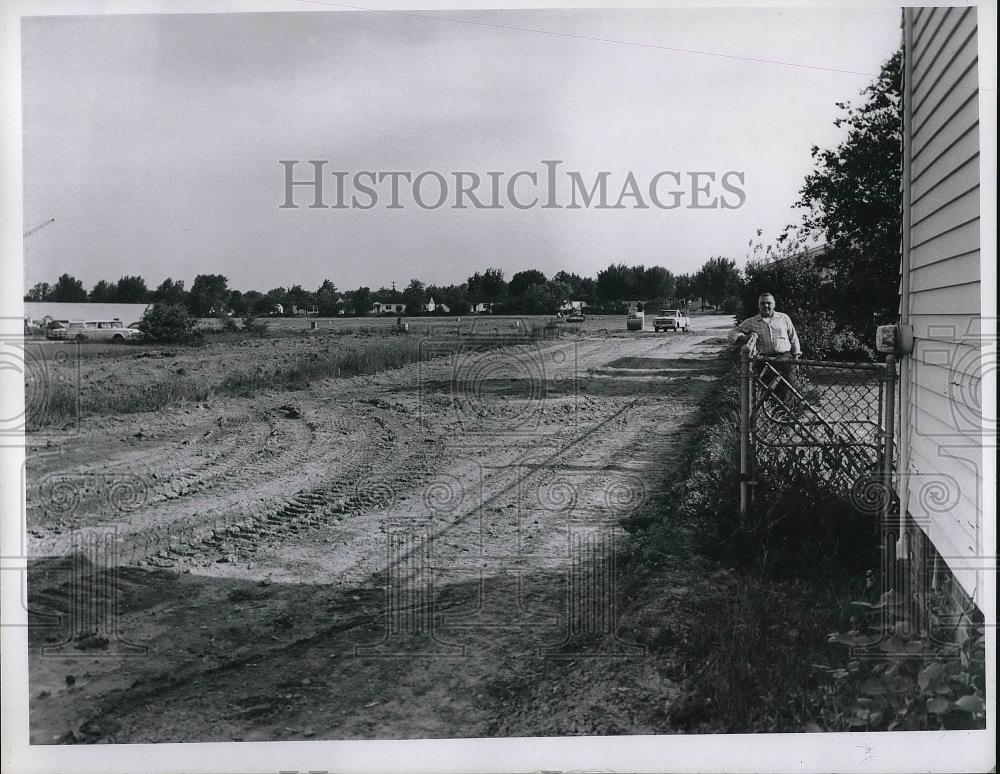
x: 393, y: 556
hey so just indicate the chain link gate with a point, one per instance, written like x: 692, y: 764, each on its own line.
x: 830, y: 419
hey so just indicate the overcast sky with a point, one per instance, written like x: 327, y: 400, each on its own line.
x: 154, y: 141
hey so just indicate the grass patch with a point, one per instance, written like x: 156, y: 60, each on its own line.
x: 358, y: 352
x: 752, y: 647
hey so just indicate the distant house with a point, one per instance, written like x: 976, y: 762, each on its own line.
x: 482, y: 308
x: 381, y: 307
x: 433, y: 307
x: 943, y: 420
x: 341, y: 306
x: 278, y: 309
x: 568, y: 307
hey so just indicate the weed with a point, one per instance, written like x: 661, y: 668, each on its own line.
x: 900, y: 679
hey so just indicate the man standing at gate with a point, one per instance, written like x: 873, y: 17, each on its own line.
x: 776, y: 337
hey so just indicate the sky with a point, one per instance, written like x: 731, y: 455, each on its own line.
x: 155, y: 140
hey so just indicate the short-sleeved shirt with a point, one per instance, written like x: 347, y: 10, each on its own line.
x: 775, y: 335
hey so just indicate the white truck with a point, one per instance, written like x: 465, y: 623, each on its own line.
x: 671, y: 320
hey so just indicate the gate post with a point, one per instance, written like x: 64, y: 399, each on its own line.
x: 745, y: 483
x: 890, y: 530
x: 889, y: 422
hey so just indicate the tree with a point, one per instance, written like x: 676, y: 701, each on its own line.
x: 326, y: 299
x: 237, y: 303
x: 524, y: 280
x: 559, y: 291
x: 67, y: 289
x: 361, y: 301
x: 494, y: 287
x: 275, y: 296
x: 657, y: 283
x: 580, y: 288
x: 131, y: 290
x: 683, y: 288
x: 718, y: 280
x: 300, y: 298
x: 208, y: 295
x: 40, y: 291
x: 852, y: 199
x: 489, y: 286
x: 615, y: 283
x: 167, y: 322
x: 102, y: 293
x: 169, y: 292
x: 253, y: 303
x: 453, y: 296
x: 415, y: 297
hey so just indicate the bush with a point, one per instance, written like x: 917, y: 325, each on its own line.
x: 254, y: 326
x: 823, y: 338
x: 168, y: 322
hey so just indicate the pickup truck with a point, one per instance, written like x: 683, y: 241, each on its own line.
x: 671, y: 320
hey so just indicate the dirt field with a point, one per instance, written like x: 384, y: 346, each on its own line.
x: 387, y: 556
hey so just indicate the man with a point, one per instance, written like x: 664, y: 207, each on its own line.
x: 776, y: 337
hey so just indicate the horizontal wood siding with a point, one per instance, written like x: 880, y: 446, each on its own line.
x: 942, y: 431
x: 960, y: 269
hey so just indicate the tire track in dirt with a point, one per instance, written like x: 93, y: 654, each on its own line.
x: 211, y: 691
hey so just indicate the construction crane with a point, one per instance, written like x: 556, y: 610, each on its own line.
x: 39, y: 227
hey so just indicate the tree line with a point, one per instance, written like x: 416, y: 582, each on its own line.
x: 718, y: 282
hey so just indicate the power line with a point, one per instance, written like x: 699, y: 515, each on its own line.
x: 590, y: 37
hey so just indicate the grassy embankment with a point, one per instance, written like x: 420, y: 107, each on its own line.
x: 356, y: 352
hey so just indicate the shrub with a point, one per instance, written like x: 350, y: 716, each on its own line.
x: 254, y: 326
x: 823, y: 338
x: 168, y: 322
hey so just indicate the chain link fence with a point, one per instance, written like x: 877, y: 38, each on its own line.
x: 829, y: 420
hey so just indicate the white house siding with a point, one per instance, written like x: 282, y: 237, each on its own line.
x: 941, y: 425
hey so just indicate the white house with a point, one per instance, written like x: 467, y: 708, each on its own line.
x: 432, y: 307
x: 381, y: 307
x: 944, y: 423
x: 482, y: 308
x: 568, y: 307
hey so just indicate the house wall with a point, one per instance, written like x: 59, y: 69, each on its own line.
x: 940, y: 481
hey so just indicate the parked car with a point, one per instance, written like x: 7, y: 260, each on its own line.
x: 113, y: 331
x: 56, y: 329
x: 671, y: 320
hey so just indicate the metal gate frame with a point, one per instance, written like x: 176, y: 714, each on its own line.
x: 816, y: 430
